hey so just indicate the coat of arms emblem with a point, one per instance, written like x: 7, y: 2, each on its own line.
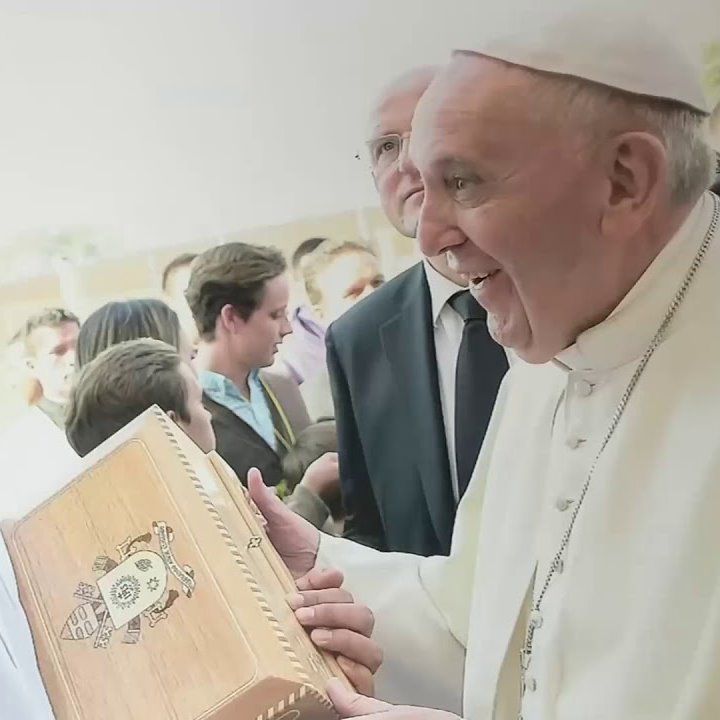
x: 136, y: 587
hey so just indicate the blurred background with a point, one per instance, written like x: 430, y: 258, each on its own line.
x: 133, y: 131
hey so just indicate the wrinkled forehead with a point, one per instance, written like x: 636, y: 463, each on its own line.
x: 474, y: 102
x: 393, y: 111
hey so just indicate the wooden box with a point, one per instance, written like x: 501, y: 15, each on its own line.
x: 152, y: 591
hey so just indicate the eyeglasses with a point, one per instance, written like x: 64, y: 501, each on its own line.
x: 385, y: 151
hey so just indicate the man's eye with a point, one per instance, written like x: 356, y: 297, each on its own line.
x: 462, y: 188
x: 387, y: 146
x: 459, y: 183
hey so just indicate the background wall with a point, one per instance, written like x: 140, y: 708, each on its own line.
x: 132, y: 130
x: 156, y: 122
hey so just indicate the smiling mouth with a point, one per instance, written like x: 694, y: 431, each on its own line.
x: 478, y: 280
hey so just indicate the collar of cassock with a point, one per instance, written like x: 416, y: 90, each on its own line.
x: 627, y: 332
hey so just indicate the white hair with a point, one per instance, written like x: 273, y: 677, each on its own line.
x: 683, y: 131
x: 715, y: 130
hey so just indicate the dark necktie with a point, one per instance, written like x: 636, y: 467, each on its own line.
x: 481, y: 365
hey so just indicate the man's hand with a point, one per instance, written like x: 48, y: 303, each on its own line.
x: 351, y: 705
x: 337, y: 624
x: 323, y: 478
x: 295, y: 539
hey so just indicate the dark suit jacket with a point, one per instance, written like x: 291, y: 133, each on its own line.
x: 394, y: 462
x: 243, y: 448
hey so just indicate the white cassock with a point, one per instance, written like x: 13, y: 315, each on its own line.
x: 36, y: 461
x: 631, y: 627
x: 22, y: 694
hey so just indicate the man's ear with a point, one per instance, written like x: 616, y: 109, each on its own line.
x: 637, y: 172
x: 230, y: 319
x: 173, y: 416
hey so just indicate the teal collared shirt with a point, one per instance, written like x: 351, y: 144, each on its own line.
x: 255, y: 412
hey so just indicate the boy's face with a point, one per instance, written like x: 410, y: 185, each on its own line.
x: 53, y: 359
x: 256, y: 339
x: 199, y: 429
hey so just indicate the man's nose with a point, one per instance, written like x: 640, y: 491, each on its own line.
x: 437, y: 229
x: 405, y: 163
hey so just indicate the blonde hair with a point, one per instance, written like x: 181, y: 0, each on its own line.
x: 319, y: 259
x: 715, y: 128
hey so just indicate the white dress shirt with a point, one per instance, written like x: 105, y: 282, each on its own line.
x: 447, y: 331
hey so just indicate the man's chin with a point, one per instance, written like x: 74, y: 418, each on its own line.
x: 504, y: 334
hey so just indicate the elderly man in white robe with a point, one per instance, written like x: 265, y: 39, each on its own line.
x: 565, y: 175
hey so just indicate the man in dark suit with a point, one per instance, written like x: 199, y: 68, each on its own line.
x: 413, y: 370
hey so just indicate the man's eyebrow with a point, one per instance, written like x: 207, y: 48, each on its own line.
x: 381, y: 133
x: 451, y: 162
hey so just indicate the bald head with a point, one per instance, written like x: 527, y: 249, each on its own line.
x: 407, y: 87
x: 396, y: 178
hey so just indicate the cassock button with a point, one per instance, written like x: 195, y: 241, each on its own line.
x: 536, y: 619
x: 531, y: 684
x: 583, y: 388
x: 562, y: 504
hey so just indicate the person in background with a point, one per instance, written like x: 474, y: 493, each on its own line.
x: 317, y: 442
x: 34, y: 454
x: 18, y: 376
x: 175, y: 278
x: 238, y: 294
x: 414, y: 361
x: 127, y: 320
x: 50, y: 338
x: 122, y: 320
x: 337, y: 275
x: 302, y: 352
x: 126, y: 379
